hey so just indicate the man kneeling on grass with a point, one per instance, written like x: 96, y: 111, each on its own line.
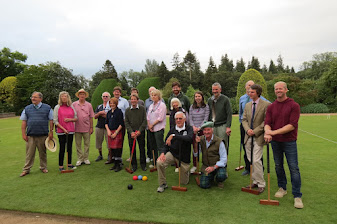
x: 214, y: 157
x: 180, y: 137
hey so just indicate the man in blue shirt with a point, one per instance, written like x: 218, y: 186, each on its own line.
x: 35, y: 120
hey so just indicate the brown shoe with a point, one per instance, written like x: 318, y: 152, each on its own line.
x: 253, y: 186
x: 24, y: 173
x: 220, y: 185
x: 109, y: 161
x: 44, y: 171
x: 261, y: 190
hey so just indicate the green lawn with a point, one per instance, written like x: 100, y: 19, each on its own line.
x: 95, y: 191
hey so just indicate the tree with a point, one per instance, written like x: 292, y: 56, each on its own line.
x: 106, y: 85
x: 328, y: 86
x: 211, y: 67
x: 163, y: 74
x: 11, y: 63
x: 251, y: 74
x: 264, y: 69
x: 145, y: 84
x: 176, y: 63
x: 280, y: 65
x: 226, y: 64
x: 151, y: 68
x: 191, y: 72
x: 189, y: 63
x: 240, y: 66
x: 7, y: 90
x: 315, y: 68
x: 50, y: 78
x: 107, y: 72
x: 272, y: 68
x: 254, y: 64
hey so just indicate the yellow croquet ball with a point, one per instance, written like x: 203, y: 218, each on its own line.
x: 144, y: 178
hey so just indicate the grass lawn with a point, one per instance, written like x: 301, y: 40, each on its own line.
x: 95, y: 191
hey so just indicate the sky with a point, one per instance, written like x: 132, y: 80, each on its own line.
x: 82, y: 35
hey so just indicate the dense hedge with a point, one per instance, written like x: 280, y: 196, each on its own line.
x: 315, y: 108
x: 145, y: 84
x: 106, y: 85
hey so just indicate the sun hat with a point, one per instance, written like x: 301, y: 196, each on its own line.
x: 51, y: 144
x: 82, y: 91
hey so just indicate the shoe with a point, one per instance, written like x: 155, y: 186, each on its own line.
x: 220, y: 185
x: 109, y: 161
x: 99, y: 158
x: 87, y: 162
x: 61, y: 169
x: 176, y: 170
x: 193, y: 169
x: 134, y: 168
x: 298, y: 203
x: 128, y: 159
x: 280, y: 193
x: 151, y: 166
x: 261, y: 190
x: 144, y: 168
x: 118, y: 166
x: 162, y: 188
x: 114, y: 167
x: 72, y: 167
x: 24, y: 173
x: 245, y: 173
x: 253, y: 186
x: 78, y: 163
x: 148, y: 160
x: 44, y: 171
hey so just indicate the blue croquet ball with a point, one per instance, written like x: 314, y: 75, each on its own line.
x: 130, y: 186
x: 140, y: 177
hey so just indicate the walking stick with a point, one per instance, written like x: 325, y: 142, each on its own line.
x: 245, y: 189
x: 178, y: 188
x: 197, y: 179
x: 154, y: 163
x: 67, y: 170
x: 128, y: 169
x: 268, y: 202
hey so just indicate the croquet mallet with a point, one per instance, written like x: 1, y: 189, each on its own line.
x: 128, y: 169
x: 249, y: 189
x: 268, y: 202
x: 154, y: 162
x: 239, y: 167
x: 178, y: 188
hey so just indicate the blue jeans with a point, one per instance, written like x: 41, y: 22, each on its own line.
x: 290, y: 151
x: 219, y: 174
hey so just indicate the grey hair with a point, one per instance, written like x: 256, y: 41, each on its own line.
x: 107, y: 94
x: 249, y: 81
x: 216, y: 84
x: 180, y: 112
x: 175, y: 100
x: 39, y: 93
x: 283, y: 83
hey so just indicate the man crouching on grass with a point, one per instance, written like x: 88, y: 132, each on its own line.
x: 180, y: 136
x: 214, y: 157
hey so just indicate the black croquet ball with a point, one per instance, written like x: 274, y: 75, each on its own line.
x: 130, y: 187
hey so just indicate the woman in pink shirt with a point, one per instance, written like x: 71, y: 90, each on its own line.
x: 156, y: 121
x: 64, y: 118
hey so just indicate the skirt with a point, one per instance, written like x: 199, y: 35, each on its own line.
x: 116, y: 143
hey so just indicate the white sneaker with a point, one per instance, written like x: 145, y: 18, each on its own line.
x: 151, y: 166
x: 298, y: 203
x: 147, y: 160
x: 280, y: 193
x: 78, y: 163
x: 193, y: 169
x: 162, y: 188
x: 176, y: 170
x: 87, y: 162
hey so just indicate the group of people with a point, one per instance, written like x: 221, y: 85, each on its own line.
x: 204, y: 126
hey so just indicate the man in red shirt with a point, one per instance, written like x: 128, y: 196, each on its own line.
x: 281, y: 124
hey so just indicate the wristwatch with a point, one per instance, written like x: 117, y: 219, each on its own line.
x: 214, y: 167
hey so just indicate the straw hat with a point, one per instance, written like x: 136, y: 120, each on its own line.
x: 51, y: 145
x: 82, y: 91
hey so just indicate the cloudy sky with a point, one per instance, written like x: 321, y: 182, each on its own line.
x: 81, y: 35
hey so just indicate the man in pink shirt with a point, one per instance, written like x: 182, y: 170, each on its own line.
x: 83, y: 126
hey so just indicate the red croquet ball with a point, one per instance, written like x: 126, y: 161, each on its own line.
x: 135, y: 177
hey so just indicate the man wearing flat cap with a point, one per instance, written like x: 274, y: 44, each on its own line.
x: 214, y: 157
x: 83, y: 126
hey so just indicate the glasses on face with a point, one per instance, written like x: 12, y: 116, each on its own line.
x: 105, y: 96
x: 34, y: 97
x: 179, y: 118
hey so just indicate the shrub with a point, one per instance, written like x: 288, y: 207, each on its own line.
x: 106, y: 85
x: 145, y: 84
x: 234, y: 105
x: 315, y: 108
